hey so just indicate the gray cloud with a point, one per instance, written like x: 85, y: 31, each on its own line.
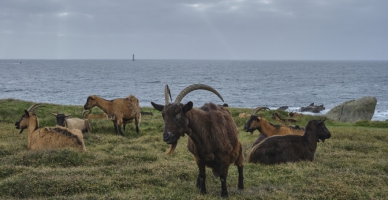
x: 224, y: 29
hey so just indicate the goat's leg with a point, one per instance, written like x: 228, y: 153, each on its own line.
x: 240, y: 165
x: 223, y: 176
x: 201, y: 180
x: 115, y: 125
x: 120, y: 131
x: 137, y: 122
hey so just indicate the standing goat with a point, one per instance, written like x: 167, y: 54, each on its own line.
x: 213, y: 135
x: 290, y: 148
x: 120, y: 111
x: 46, y: 138
x: 72, y: 123
x: 268, y: 129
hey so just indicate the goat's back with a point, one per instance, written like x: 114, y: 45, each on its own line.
x: 56, y: 137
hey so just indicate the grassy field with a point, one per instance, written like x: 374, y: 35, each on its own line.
x: 352, y: 164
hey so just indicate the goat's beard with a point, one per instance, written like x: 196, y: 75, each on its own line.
x: 172, y: 148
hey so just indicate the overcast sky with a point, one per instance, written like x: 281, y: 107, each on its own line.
x: 194, y: 29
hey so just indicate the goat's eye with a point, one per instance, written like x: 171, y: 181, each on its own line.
x: 177, y: 117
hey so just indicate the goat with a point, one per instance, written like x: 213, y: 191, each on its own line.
x: 72, y: 123
x: 277, y: 117
x: 290, y: 148
x: 120, y: 111
x: 295, y: 114
x: 246, y: 115
x: 213, y: 135
x: 46, y: 137
x: 268, y: 129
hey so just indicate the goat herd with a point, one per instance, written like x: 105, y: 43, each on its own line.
x: 212, y: 133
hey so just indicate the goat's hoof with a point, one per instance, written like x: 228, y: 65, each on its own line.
x: 224, y: 194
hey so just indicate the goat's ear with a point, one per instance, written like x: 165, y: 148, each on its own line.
x: 157, y: 106
x: 27, y: 113
x: 55, y: 114
x: 67, y: 115
x: 187, y: 107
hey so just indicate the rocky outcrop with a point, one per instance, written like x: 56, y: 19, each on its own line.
x: 313, y: 108
x: 354, y: 110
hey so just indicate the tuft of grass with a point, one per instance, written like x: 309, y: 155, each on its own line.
x: 352, y: 164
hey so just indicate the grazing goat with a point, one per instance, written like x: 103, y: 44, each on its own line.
x: 246, y: 115
x: 268, y: 129
x: 213, y: 135
x: 47, y: 138
x: 290, y: 148
x: 277, y: 117
x: 120, y: 111
x: 72, y: 123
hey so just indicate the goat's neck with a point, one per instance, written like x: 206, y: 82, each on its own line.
x: 197, y: 125
x: 103, y: 104
x: 310, y: 136
x: 33, y: 124
x: 266, y: 128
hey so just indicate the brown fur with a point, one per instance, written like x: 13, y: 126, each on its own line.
x: 277, y: 117
x: 295, y: 114
x: 268, y: 129
x: 48, y: 138
x: 120, y: 111
x: 213, y: 138
x: 290, y: 148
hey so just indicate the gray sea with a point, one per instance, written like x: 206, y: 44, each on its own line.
x: 243, y: 84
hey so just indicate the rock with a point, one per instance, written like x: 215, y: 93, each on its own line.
x: 282, y: 108
x: 354, y: 110
x: 313, y: 108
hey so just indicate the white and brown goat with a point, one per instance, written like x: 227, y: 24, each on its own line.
x: 213, y: 135
x: 48, y: 137
x: 72, y: 123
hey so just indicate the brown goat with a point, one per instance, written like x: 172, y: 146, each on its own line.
x: 246, y: 115
x: 120, y: 111
x: 213, y: 135
x: 295, y: 114
x: 268, y: 129
x: 48, y: 138
x: 290, y: 148
x: 277, y: 117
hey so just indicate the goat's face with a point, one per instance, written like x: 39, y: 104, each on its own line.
x: 23, y: 121
x: 175, y: 120
x: 252, y: 124
x: 90, y: 103
x: 60, y: 118
x: 322, y: 132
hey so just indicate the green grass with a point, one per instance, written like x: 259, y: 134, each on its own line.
x: 352, y: 164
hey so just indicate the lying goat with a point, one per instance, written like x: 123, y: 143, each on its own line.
x: 277, y: 117
x: 268, y: 129
x: 290, y: 148
x: 213, y: 135
x: 72, y: 123
x: 246, y: 115
x: 48, y: 137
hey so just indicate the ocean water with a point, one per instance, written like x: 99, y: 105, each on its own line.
x: 243, y: 84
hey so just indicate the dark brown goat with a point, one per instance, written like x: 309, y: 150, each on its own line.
x: 277, y: 117
x: 213, y: 135
x: 290, y: 148
x: 268, y: 129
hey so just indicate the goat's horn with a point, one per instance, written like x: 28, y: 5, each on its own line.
x: 193, y: 87
x: 86, y: 111
x: 167, y: 93
x: 33, y: 107
x: 258, y: 109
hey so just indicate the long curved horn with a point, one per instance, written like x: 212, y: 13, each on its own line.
x: 33, y: 107
x: 258, y: 109
x: 166, y: 94
x: 193, y: 87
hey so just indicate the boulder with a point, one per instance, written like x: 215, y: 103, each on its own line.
x: 354, y: 110
x: 312, y: 108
